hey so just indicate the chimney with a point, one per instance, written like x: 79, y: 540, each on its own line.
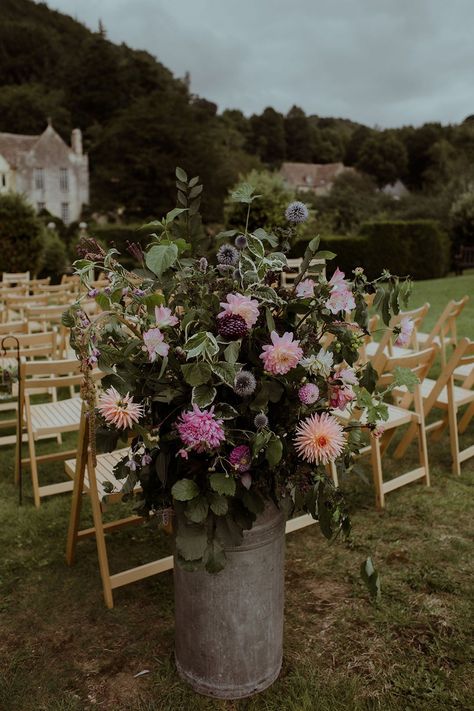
x: 76, y: 141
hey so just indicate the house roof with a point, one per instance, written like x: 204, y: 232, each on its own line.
x: 13, y: 144
x: 312, y: 175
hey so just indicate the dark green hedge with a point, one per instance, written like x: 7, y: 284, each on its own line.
x: 117, y: 236
x: 415, y: 247
x: 21, y: 235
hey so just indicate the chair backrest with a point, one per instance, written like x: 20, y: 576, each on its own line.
x: 289, y: 275
x: 60, y: 373
x: 12, y: 328
x: 33, y: 345
x: 385, y: 343
x: 15, y: 277
x: 463, y: 355
x: 446, y: 326
x: 419, y: 362
x: 34, y: 284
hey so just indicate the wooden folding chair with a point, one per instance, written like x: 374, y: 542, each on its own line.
x: 90, y: 477
x: 375, y: 350
x: 47, y: 318
x: 16, y: 306
x: 444, y: 332
x: 444, y: 395
x: 40, y: 345
x: 419, y: 363
x: 46, y: 419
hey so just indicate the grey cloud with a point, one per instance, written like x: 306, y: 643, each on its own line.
x: 384, y: 62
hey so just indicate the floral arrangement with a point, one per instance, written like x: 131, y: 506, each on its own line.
x: 225, y: 386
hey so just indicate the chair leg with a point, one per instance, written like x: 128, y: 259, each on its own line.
x: 99, y: 535
x: 438, y: 432
x: 376, y: 458
x: 405, y: 442
x: 76, y: 505
x: 34, y: 469
x: 454, y: 437
x: 466, y: 419
x: 423, y: 451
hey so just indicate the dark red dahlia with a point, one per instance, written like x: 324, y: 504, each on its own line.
x: 232, y: 327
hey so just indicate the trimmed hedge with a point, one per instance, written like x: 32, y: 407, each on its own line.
x: 418, y: 248
x: 415, y: 247
x: 21, y: 235
x: 117, y: 236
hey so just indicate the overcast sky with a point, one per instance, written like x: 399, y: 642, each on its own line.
x: 380, y: 62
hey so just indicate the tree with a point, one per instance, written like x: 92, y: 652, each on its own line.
x: 298, y: 135
x: 26, y: 109
x: 21, y: 235
x: 384, y: 158
x: 462, y: 218
x: 268, y: 137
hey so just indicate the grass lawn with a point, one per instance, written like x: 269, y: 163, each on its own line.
x: 62, y: 650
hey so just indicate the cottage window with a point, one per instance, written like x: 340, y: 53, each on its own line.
x: 39, y: 178
x: 63, y: 180
x: 40, y: 206
x: 3, y: 180
x: 65, y: 212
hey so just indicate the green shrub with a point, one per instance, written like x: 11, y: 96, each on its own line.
x: 417, y: 247
x: 21, y: 235
x: 351, y: 251
x: 462, y: 219
x: 54, y: 258
x: 268, y: 211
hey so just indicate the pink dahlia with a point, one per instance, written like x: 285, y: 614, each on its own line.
x: 319, y: 439
x: 308, y: 394
x: 406, y: 329
x: 240, y: 305
x: 155, y: 344
x: 200, y: 430
x: 119, y: 410
x: 164, y: 317
x: 240, y: 458
x: 283, y: 355
x: 305, y: 288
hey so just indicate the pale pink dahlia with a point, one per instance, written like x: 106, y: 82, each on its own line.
x: 119, y: 410
x: 341, y: 298
x: 240, y: 305
x: 283, y: 355
x: 155, y: 344
x: 308, y: 394
x: 164, y: 317
x: 319, y: 439
x: 241, y: 458
x: 406, y: 329
x: 200, y: 430
x: 305, y: 288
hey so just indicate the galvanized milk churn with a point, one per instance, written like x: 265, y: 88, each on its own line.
x: 229, y: 625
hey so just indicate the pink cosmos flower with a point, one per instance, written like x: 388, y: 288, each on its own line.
x: 319, y: 439
x: 200, y: 430
x: 341, y: 298
x: 119, y: 410
x: 305, y: 288
x: 240, y: 305
x: 308, y: 394
x: 283, y: 355
x: 406, y: 329
x: 241, y: 458
x: 155, y: 344
x: 164, y: 317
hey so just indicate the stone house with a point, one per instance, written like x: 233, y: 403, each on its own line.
x: 48, y: 172
x: 315, y: 177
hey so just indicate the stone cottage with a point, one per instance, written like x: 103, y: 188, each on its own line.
x: 48, y: 172
x: 316, y: 177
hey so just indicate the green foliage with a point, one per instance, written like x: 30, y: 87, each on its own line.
x: 22, y: 237
x: 268, y: 211
x: 462, y: 219
x: 54, y: 258
x: 418, y: 248
x: 384, y: 157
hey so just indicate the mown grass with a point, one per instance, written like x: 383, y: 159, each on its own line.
x: 62, y: 650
